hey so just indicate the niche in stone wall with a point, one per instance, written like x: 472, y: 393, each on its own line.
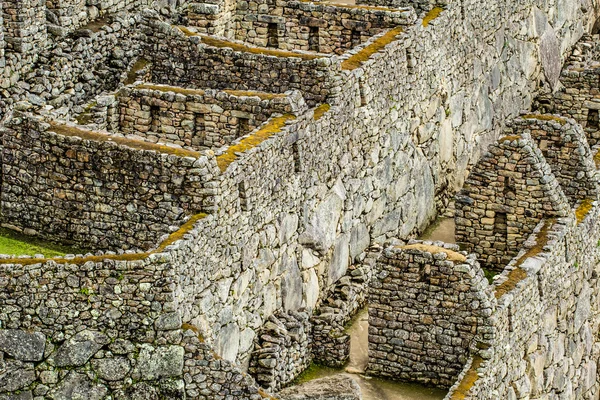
x: 297, y: 157
x: 243, y: 126
x: 243, y: 191
x: 273, y: 35
x: 355, y: 37
x: 313, y: 38
x: 199, y: 125
x: 592, y: 119
x: 154, y: 118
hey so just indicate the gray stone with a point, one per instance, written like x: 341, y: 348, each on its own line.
x: 359, y: 240
x: 168, y: 321
x: 228, y: 341
x: 26, y: 395
x: 15, y: 375
x: 160, y: 362
x: 550, y: 56
x: 78, y: 386
x: 340, y: 259
x: 24, y: 346
x: 77, y: 350
x: 338, y: 387
x: 111, y: 369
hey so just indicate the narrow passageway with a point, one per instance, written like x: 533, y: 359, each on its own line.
x: 379, y: 389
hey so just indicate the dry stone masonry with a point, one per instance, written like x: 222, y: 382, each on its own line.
x: 229, y: 163
x: 507, y: 193
x: 427, y: 306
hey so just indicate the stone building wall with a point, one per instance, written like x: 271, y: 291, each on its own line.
x: 74, y: 69
x: 330, y: 339
x: 281, y: 350
x: 213, y: 17
x: 198, y: 119
x: 565, y: 148
x: 428, y: 306
x: 544, y: 325
x: 299, y: 25
x: 507, y: 193
x: 24, y: 26
x: 215, y: 65
x: 579, y: 96
x: 81, y: 188
x: 110, y: 326
x: 397, y: 141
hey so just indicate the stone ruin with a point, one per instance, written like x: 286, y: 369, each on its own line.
x: 227, y: 171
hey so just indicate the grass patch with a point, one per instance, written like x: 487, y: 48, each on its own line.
x: 597, y: 158
x: 363, y: 55
x: 140, y: 64
x: 489, y: 274
x: 18, y: 244
x: 583, y: 209
x: 272, y: 127
x: 320, y: 111
x: 545, y: 117
x: 468, y: 380
x: 314, y: 371
x: 185, y: 228
x: 431, y: 15
x: 86, y: 117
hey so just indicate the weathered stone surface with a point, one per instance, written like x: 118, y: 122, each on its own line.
x: 77, y: 350
x: 339, y: 387
x: 111, y: 369
x: 15, y: 375
x: 78, y: 386
x: 22, y: 345
x: 160, y: 362
x: 550, y: 56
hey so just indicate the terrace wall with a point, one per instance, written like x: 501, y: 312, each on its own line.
x: 196, y: 62
x: 198, y: 119
x: 302, y: 25
x: 81, y: 189
x: 546, y: 319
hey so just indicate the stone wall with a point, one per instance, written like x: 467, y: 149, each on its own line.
x: 83, y: 188
x: 579, y: 96
x: 213, y: 17
x: 110, y: 326
x: 544, y: 341
x: 330, y: 339
x: 300, y: 25
x: 198, y: 119
x: 507, y: 193
x: 402, y: 129
x: 194, y: 61
x: 281, y: 350
x: 565, y: 148
x: 74, y: 69
x: 428, y: 306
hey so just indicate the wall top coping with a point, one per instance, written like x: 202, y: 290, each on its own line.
x: 82, y: 259
x: 202, y: 92
x: 73, y: 131
x: 452, y: 255
x: 241, y: 47
x: 375, y: 46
